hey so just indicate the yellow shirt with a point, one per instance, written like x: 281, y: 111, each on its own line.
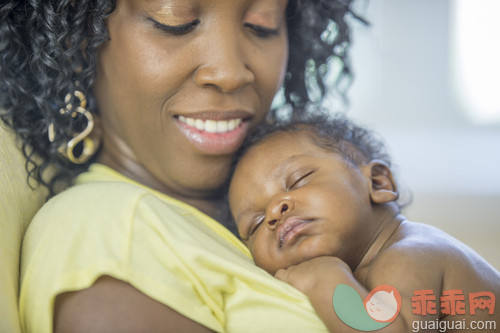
x: 109, y: 225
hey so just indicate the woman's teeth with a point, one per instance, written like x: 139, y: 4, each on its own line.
x: 211, y: 126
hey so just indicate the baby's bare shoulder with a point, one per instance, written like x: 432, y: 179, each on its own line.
x: 419, y: 244
x: 423, y: 239
x: 429, y: 244
x: 414, y: 252
x: 427, y: 257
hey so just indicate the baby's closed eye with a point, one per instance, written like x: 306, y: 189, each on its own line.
x: 298, y: 179
x: 254, y: 224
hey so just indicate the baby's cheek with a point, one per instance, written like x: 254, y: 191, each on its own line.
x: 263, y: 257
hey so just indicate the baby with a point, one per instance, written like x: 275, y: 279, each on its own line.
x: 316, y: 203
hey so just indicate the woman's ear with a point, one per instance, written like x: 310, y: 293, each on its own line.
x: 383, y: 188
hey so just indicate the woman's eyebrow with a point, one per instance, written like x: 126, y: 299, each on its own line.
x: 167, y: 10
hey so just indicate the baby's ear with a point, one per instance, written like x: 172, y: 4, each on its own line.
x: 383, y: 188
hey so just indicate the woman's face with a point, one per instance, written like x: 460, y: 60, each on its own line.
x: 179, y: 84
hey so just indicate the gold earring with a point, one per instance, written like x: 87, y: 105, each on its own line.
x: 90, y: 143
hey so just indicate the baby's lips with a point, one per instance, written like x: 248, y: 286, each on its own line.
x: 286, y: 227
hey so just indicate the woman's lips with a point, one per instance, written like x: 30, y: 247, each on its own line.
x: 214, y: 137
x: 290, y: 229
x: 211, y: 126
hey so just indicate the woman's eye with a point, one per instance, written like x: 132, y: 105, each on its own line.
x: 261, y: 31
x: 298, y: 181
x: 176, y: 30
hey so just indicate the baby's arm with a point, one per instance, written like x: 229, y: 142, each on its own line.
x: 318, y: 278
x: 428, y: 261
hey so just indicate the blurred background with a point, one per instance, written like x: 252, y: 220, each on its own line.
x: 427, y: 78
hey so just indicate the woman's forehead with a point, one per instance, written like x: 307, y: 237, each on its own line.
x: 194, y: 3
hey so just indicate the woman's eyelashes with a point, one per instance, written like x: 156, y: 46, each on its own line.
x: 261, y: 31
x: 181, y: 29
x: 175, y: 30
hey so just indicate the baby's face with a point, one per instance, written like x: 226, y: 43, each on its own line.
x: 293, y: 200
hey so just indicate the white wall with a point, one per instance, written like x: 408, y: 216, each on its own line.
x: 404, y: 89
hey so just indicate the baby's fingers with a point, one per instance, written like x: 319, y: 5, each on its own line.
x: 281, y: 274
x: 296, y: 277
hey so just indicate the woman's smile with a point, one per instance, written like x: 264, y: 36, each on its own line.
x: 215, y: 133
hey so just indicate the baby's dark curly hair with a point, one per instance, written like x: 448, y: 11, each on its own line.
x: 335, y: 132
x: 48, y: 49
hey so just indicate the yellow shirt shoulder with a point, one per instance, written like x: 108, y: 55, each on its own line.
x: 108, y: 225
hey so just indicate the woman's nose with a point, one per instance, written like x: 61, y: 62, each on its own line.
x: 276, y: 212
x: 224, y: 63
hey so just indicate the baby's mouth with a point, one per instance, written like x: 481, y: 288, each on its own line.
x: 291, y: 227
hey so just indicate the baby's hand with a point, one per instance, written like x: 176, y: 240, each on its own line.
x: 312, y: 274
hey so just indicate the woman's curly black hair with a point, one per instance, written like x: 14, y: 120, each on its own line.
x: 48, y: 49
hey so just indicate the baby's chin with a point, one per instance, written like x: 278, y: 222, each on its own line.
x: 294, y: 261
x: 307, y: 247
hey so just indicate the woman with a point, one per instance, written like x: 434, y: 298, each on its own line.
x: 154, y: 96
